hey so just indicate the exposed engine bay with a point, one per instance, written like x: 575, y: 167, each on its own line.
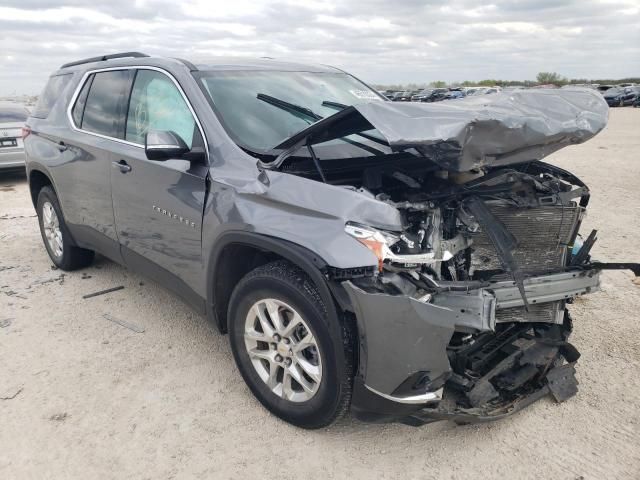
x: 464, y: 230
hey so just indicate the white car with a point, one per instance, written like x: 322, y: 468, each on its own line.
x: 12, y: 119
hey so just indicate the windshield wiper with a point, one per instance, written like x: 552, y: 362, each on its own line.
x: 308, y: 114
x: 339, y: 106
x: 299, y: 111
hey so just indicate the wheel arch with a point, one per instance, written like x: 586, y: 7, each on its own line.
x: 237, y: 253
x: 38, y: 179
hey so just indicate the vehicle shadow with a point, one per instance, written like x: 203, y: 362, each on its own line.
x: 10, y: 178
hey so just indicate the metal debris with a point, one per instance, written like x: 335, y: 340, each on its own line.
x: 5, y: 322
x: 12, y: 396
x: 123, y: 323
x: 102, y: 292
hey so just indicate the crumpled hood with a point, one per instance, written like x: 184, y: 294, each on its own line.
x: 490, y: 130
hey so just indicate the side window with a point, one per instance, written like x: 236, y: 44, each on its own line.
x: 50, y: 94
x: 78, y: 108
x: 104, y: 112
x: 157, y: 104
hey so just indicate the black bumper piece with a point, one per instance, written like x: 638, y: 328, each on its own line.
x: 561, y: 385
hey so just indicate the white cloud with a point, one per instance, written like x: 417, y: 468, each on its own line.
x: 381, y: 42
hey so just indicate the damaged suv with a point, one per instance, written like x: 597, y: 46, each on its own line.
x: 408, y: 262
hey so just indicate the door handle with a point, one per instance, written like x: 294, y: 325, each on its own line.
x: 123, y: 166
x: 62, y: 147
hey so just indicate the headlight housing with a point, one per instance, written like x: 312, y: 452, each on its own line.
x: 380, y: 243
x: 375, y: 240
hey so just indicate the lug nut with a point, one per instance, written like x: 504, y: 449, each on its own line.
x: 278, y: 358
x: 274, y: 346
x: 276, y: 337
x: 286, y: 341
x: 287, y: 362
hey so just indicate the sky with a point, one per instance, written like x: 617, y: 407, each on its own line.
x: 382, y: 42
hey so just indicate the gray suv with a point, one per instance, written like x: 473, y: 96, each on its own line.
x: 408, y: 262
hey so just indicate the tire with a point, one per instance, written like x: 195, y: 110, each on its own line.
x: 59, y: 243
x: 329, y: 360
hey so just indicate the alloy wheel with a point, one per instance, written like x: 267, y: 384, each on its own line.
x: 283, y: 350
x: 52, y: 231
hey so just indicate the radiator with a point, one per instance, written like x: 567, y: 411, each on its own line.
x: 543, y: 234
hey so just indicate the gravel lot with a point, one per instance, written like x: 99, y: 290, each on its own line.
x: 83, y: 397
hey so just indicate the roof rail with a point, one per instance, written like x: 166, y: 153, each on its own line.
x: 105, y: 57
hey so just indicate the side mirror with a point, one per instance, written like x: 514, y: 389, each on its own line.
x: 162, y: 145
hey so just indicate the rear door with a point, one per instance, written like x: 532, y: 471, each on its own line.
x: 158, y: 205
x: 79, y: 158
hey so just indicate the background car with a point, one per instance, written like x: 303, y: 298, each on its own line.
x: 421, y: 94
x: 620, y: 97
x: 454, y: 94
x: 403, y: 96
x: 12, y: 118
x: 431, y: 95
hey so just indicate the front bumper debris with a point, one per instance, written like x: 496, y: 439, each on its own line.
x: 559, y: 378
x: 406, y: 359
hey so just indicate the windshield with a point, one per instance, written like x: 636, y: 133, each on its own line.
x: 259, y: 125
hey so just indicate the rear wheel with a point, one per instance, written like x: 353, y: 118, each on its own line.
x: 55, y: 234
x: 291, y: 360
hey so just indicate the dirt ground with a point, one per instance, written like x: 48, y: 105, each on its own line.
x: 83, y: 397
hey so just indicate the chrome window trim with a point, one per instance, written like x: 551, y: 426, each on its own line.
x: 130, y: 67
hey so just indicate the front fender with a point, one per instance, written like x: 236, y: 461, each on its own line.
x: 312, y: 264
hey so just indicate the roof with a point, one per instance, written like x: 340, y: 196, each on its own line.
x: 212, y: 63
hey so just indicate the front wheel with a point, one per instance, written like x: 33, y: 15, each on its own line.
x: 294, y: 364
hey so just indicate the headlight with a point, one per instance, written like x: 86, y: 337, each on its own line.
x: 379, y: 242
x: 375, y: 240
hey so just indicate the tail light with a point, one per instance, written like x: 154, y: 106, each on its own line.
x: 26, y: 131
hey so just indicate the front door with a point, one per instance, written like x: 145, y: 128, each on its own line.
x: 158, y: 205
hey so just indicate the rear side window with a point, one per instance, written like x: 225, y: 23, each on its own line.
x: 104, y: 112
x: 11, y: 115
x: 78, y: 108
x: 49, y: 96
